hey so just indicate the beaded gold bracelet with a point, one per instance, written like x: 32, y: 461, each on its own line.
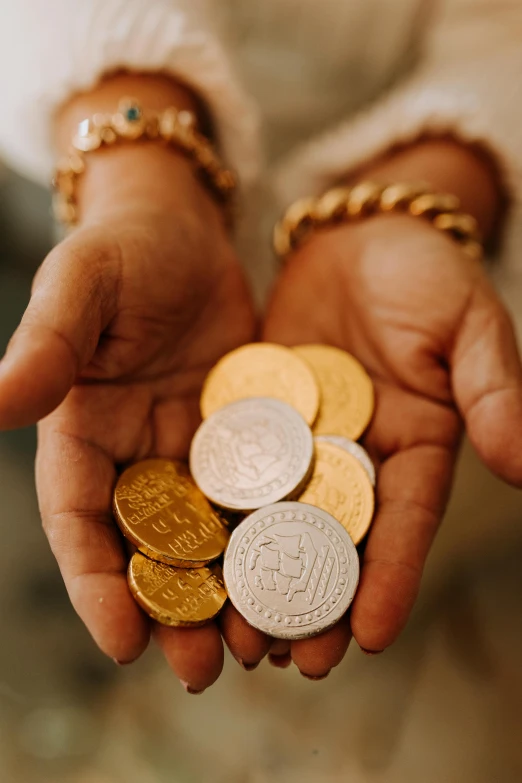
x: 132, y: 123
x: 345, y: 204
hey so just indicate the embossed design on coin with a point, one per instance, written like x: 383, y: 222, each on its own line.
x: 341, y: 486
x: 159, y: 508
x: 261, y: 370
x: 347, y: 397
x: 251, y: 453
x: 176, y: 596
x: 353, y: 448
x: 291, y: 570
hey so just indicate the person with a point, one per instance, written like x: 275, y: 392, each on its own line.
x: 133, y: 307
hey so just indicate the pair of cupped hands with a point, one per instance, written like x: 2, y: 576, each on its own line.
x: 133, y: 308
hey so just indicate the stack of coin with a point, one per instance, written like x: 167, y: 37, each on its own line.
x: 277, y: 445
x: 178, y: 536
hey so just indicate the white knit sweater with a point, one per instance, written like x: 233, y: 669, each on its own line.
x: 335, y: 82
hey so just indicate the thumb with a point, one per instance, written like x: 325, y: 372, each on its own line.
x: 487, y: 382
x: 72, y: 300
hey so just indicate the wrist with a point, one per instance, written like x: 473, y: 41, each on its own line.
x: 147, y: 176
x: 446, y: 166
x: 144, y: 179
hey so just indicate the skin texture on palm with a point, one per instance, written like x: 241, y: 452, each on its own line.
x: 132, y: 310
x: 425, y: 322
x: 312, y: 302
x: 127, y: 316
x: 401, y: 297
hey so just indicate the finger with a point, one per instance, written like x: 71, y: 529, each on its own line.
x: 248, y: 645
x: 71, y: 302
x: 487, y: 381
x: 75, y: 480
x: 281, y: 661
x: 195, y: 655
x: 317, y: 656
x: 279, y: 655
x: 279, y: 647
x: 413, y: 489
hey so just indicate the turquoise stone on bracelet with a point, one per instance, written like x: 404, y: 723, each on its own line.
x: 133, y: 114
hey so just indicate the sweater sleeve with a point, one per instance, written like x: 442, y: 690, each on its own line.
x: 467, y: 84
x: 51, y: 49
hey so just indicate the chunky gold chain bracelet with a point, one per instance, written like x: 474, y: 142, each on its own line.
x: 132, y: 123
x: 345, y: 204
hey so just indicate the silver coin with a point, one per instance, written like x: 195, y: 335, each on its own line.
x: 355, y: 449
x: 251, y: 453
x: 291, y: 570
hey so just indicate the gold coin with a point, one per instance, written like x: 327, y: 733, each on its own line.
x: 176, y: 596
x: 340, y: 486
x: 261, y: 370
x: 159, y: 508
x: 346, y: 389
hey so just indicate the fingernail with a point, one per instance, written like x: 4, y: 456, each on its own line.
x: 249, y: 667
x: 316, y: 676
x: 190, y: 690
x: 280, y: 661
x: 122, y: 663
x: 371, y: 652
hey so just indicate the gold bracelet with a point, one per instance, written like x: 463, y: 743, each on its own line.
x: 345, y: 204
x: 132, y: 123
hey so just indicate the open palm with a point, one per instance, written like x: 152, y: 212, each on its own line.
x: 126, y: 318
x: 424, y: 321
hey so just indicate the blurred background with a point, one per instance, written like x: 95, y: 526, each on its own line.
x: 444, y: 704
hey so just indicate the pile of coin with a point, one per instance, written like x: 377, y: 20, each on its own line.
x: 276, y: 458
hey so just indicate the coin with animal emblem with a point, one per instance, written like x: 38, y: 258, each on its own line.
x: 291, y: 570
x: 251, y: 453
